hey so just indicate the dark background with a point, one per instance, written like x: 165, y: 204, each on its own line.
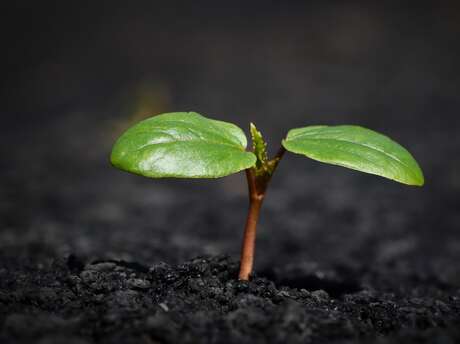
x: 74, y: 75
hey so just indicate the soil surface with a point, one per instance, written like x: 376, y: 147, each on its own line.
x: 200, y: 301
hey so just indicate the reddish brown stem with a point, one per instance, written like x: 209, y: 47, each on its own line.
x: 249, y: 239
x: 257, y: 185
x: 279, y: 155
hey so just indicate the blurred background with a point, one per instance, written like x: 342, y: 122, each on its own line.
x: 74, y: 75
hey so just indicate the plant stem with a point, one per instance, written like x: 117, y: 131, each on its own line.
x: 278, y: 156
x: 257, y: 186
x: 249, y: 239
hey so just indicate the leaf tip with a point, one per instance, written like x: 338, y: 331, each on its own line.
x: 420, y: 179
x: 113, y: 158
x: 416, y: 178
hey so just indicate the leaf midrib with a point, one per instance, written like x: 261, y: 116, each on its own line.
x: 362, y: 145
x: 193, y: 141
x: 215, y: 130
x: 175, y: 140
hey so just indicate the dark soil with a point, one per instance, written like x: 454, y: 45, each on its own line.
x: 200, y: 301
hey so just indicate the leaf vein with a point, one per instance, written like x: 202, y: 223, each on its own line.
x: 367, y: 146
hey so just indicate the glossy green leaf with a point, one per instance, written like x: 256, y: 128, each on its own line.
x: 182, y: 145
x: 357, y: 148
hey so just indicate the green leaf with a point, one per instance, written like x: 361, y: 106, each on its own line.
x: 357, y: 148
x: 182, y: 145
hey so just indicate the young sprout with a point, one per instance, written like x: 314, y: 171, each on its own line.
x: 189, y: 145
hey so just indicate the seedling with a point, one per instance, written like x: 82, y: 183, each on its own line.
x: 189, y: 145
